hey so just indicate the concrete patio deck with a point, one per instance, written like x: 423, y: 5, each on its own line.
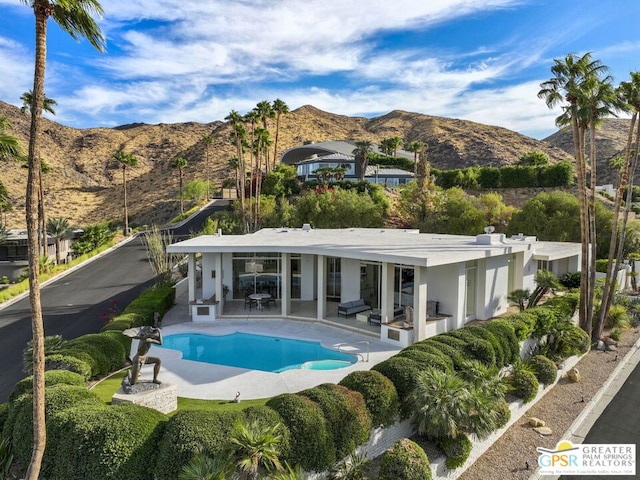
x: 207, y: 381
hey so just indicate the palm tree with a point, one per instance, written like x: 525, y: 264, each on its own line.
x: 265, y: 112
x: 571, y: 75
x: 280, y: 108
x: 126, y: 160
x: 256, y: 447
x: 235, y: 165
x: 261, y: 147
x: 208, y: 140
x: 203, y: 467
x: 361, y: 152
x: 74, y: 17
x: 58, y: 228
x: 415, y: 147
x: 27, y: 101
x: 9, y: 145
x: 180, y: 163
x: 5, y: 204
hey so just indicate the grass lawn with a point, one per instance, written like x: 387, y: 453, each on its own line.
x: 106, y: 388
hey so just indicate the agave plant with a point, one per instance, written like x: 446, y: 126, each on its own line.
x: 52, y: 344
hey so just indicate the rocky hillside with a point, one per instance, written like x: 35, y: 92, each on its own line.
x: 611, y: 141
x: 85, y: 185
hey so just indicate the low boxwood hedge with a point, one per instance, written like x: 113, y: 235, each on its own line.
x: 545, y: 370
x: 402, y: 371
x: 524, y: 385
x: 523, y: 324
x: 505, y: 332
x: 51, y: 378
x: 475, y: 347
x: 105, y: 442
x: 405, y: 460
x: 19, y: 425
x: 456, y: 449
x: 546, y: 320
x: 59, y: 361
x: 380, y: 395
x: 108, y: 347
x: 346, y: 416
x: 312, y: 446
x: 426, y: 359
x: 189, y: 432
x: 455, y: 354
x: 483, y: 333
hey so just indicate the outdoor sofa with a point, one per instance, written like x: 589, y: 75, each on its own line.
x: 353, y: 307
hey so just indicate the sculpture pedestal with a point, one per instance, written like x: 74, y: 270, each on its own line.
x: 164, y: 398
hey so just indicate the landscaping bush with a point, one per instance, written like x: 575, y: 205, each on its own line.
x: 4, y: 414
x: 483, y: 333
x: 544, y: 369
x: 475, y: 347
x: 122, y: 322
x: 59, y: 397
x: 457, y: 343
x: 564, y: 306
x: 123, y: 340
x: 51, y: 378
x: 68, y: 362
x: 402, y: 371
x: 523, y: 324
x: 108, y: 347
x: 456, y: 449
x: 99, y: 362
x: 189, y: 432
x: 546, y: 320
x: 105, y: 442
x: 432, y: 343
x: 503, y: 414
x: 505, y: 333
x: 432, y: 349
x: 570, y: 280
x: 380, y: 395
x: 311, y: 445
x: 618, y: 317
x: 346, y: 416
x: 405, y: 460
x: 524, y: 384
x: 566, y: 341
x: 425, y: 359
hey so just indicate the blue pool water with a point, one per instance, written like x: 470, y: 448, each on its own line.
x: 257, y: 352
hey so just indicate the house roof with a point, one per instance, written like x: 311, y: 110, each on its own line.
x: 345, y: 147
x: 407, y: 247
x: 387, y: 172
x: 331, y: 158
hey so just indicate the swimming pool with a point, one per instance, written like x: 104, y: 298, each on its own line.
x: 257, y: 352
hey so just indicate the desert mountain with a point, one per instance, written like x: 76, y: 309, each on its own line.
x: 85, y: 185
x: 611, y: 140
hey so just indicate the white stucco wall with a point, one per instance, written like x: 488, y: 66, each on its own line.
x: 493, y: 287
x: 350, y: 280
x: 446, y: 285
x: 227, y: 272
x: 307, y: 277
x: 208, y: 282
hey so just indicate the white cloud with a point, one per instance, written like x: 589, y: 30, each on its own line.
x: 17, y: 70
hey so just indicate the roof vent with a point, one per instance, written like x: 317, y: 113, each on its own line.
x: 489, y: 229
x: 306, y: 227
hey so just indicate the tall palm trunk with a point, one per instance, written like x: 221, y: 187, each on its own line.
x: 41, y: 213
x: 42, y: 10
x: 608, y: 290
x: 180, y: 188
x: 592, y: 220
x: 275, y: 145
x: 126, y: 212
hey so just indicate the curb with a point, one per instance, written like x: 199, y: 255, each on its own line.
x: 581, y: 426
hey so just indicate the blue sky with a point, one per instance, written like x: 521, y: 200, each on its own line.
x: 193, y: 60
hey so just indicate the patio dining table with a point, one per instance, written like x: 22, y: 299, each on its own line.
x: 260, y: 298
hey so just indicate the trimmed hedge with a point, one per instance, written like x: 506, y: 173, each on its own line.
x: 453, y: 353
x: 189, y: 432
x: 380, y: 395
x: 483, y: 333
x: 475, y: 347
x: 546, y: 319
x: 51, y: 378
x: 505, y: 333
x: 405, y: 460
x: 268, y: 417
x: 524, y: 385
x: 504, y: 413
x: 105, y: 442
x: 402, y: 371
x: 523, y: 323
x: 19, y: 425
x: 570, y: 340
x: 348, y: 421
x: 545, y: 370
x: 109, y: 352
x: 312, y: 446
x: 425, y: 359
x: 456, y: 449
x: 58, y: 361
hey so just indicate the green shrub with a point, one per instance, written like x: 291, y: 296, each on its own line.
x: 405, y: 460
x: 475, y: 347
x: 457, y: 343
x: 107, y: 346
x: 546, y: 320
x: 453, y: 353
x: 57, y: 398
x: 601, y: 265
x: 68, y: 362
x: 346, y: 416
x: 571, y: 340
x: 122, y: 322
x: 105, y: 442
x: 618, y: 317
x: 524, y: 385
x: 402, y: 371
x: 564, y: 306
x: 123, y: 340
x: 4, y: 414
x: 570, y: 280
x: 51, y: 378
x: 505, y: 333
x: 425, y: 359
x: 456, y: 449
x: 90, y: 353
x: 311, y: 445
x: 615, y: 334
x: 504, y: 414
x: 483, y: 333
x: 523, y: 324
x: 189, y: 432
x: 380, y: 395
x: 544, y: 369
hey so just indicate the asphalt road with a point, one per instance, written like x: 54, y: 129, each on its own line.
x: 74, y: 305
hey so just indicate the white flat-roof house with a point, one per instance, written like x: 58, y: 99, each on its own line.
x: 447, y: 280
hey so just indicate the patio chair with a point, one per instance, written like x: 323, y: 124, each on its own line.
x: 250, y: 302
